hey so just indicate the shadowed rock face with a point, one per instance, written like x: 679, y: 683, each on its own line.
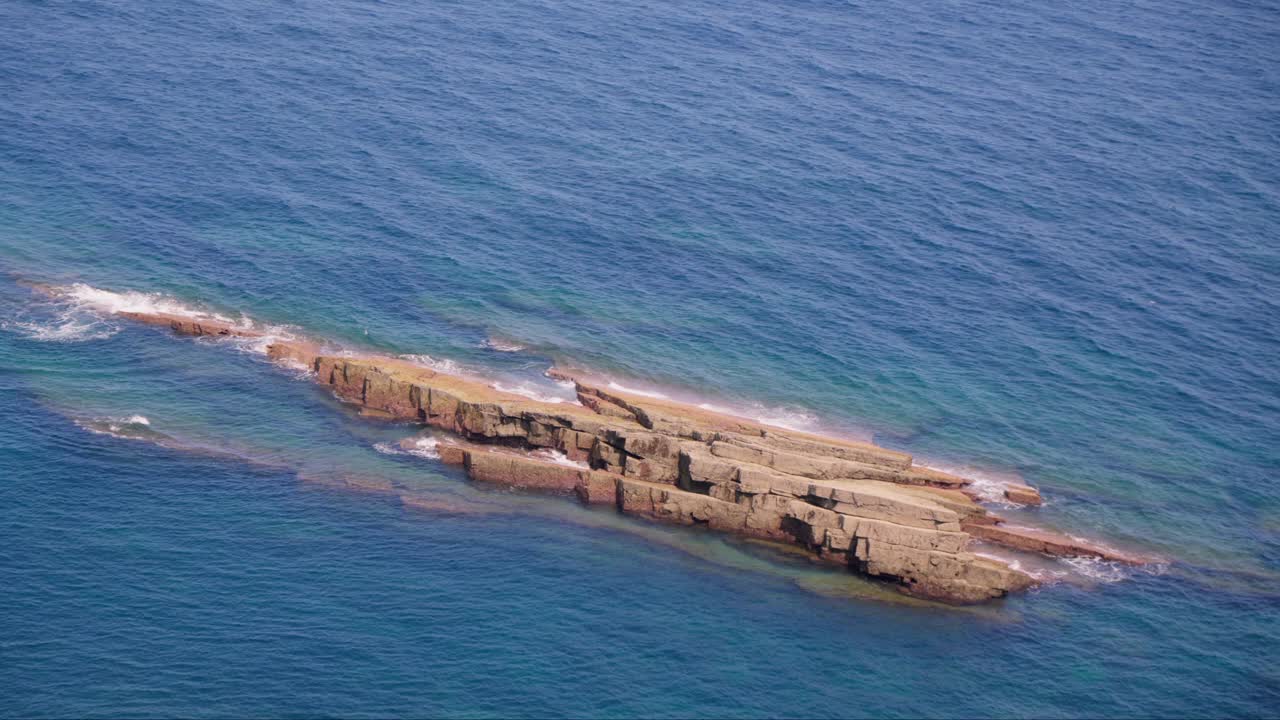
x: 849, y: 503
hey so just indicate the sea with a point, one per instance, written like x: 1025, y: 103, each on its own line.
x: 1025, y: 241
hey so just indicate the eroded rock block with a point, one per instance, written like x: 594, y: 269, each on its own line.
x: 520, y: 471
x: 1022, y: 494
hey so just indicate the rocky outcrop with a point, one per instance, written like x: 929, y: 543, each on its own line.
x: 851, y: 504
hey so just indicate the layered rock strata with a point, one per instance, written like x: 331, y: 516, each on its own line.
x: 852, y: 504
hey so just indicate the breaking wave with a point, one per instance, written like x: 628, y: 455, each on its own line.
x: 559, y: 458
x: 445, y: 366
x: 67, y: 326
x: 257, y: 345
x: 642, y: 393
x: 988, y: 485
x: 80, y: 312
x: 785, y: 418
x: 423, y: 447
x: 500, y: 345
x: 534, y: 392
x: 1079, y: 570
x: 132, y: 301
x: 1098, y: 570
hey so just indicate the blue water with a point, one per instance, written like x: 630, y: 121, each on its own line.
x: 1024, y: 240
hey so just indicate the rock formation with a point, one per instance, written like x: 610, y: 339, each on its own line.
x: 851, y: 504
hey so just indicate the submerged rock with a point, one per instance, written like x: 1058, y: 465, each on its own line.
x: 1050, y: 543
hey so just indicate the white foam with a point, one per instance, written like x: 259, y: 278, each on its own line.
x: 633, y: 391
x: 423, y: 447
x: 987, y: 489
x: 786, y: 418
x: 525, y: 388
x: 1097, y: 569
x: 125, y: 428
x: 69, y: 326
x: 82, y: 299
x: 132, y: 301
x: 988, y: 486
x: 1080, y: 570
x: 445, y: 366
x: 505, y: 346
x: 1045, y: 571
x: 559, y: 458
x: 85, y: 309
x: 259, y: 344
x: 533, y: 392
x: 783, y: 417
x: 797, y: 420
x: 299, y: 370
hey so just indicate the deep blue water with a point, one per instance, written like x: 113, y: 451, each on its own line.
x: 1024, y: 240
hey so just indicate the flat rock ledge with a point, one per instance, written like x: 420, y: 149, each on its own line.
x: 851, y: 504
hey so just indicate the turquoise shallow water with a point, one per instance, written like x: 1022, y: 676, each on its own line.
x: 1021, y: 241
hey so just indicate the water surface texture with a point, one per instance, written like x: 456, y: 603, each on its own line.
x: 1029, y: 241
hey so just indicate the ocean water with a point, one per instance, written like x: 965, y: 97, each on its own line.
x: 1030, y: 241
